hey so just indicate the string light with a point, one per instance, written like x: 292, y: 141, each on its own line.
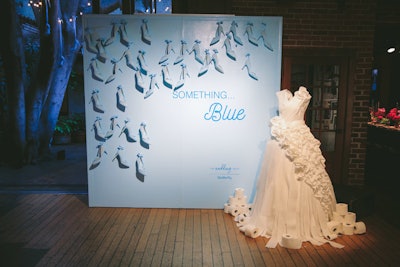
x: 164, y: 8
x: 391, y: 50
x: 39, y: 4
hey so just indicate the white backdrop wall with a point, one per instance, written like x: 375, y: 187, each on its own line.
x: 178, y: 106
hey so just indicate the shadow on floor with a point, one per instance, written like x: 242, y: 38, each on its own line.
x: 14, y: 254
x: 63, y: 172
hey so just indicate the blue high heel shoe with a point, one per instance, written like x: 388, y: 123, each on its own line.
x: 100, y: 151
x: 263, y: 36
x: 95, y: 101
x: 113, y: 124
x: 153, y: 85
x: 215, y: 60
x: 144, y: 29
x: 182, y: 77
x: 207, y: 61
x: 228, y: 47
x: 250, y: 34
x: 139, y: 81
x: 197, y: 52
x: 218, y: 33
x: 93, y: 67
x: 182, y: 52
x: 144, y: 137
x: 142, y: 62
x: 121, y: 101
x: 232, y: 30
x: 129, y: 59
x: 90, y: 41
x: 140, y: 169
x: 98, y: 132
x: 113, y: 35
x: 127, y: 130
x: 247, y: 65
x: 114, y: 71
x: 168, y: 50
x: 101, y: 51
x: 122, y: 163
x: 167, y: 81
x: 124, y: 34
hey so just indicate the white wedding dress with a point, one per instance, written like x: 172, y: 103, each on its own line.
x: 295, y: 199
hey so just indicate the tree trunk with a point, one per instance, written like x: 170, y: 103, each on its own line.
x: 69, y: 46
x: 33, y: 111
x: 49, y: 56
x: 59, y: 46
x: 12, y: 51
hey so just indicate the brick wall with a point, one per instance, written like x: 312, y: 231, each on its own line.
x: 329, y: 24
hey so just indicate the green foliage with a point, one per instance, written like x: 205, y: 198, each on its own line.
x: 68, y: 124
x: 80, y: 124
x: 65, y: 125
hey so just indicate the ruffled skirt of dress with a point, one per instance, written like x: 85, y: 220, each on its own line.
x: 285, y: 208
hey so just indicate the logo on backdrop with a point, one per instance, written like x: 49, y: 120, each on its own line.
x: 217, y: 111
x: 225, y: 171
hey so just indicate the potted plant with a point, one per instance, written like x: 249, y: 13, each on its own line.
x: 63, y: 130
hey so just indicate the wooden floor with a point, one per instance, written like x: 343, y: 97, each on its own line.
x: 61, y: 230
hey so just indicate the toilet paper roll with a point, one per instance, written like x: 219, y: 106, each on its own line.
x: 335, y: 227
x: 337, y: 217
x: 348, y: 229
x: 241, y: 200
x: 360, y: 228
x: 239, y: 192
x: 249, y: 206
x: 332, y: 236
x: 244, y: 212
x: 227, y: 208
x: 235, y: 211
x: 252, y: 231
x: 233, y: 200
x: 242, y: 219
x: 289, y: 241
x: 341, y: 208
x: 350, y: 218
x: 244, y: 208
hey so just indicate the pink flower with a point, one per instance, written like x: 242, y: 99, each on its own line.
x: 392, y: 115
x: 380, y: 112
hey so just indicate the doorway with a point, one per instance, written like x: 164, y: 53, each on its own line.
x: 326, y: 78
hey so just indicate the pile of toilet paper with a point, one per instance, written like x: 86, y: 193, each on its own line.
x: 238, y: 207
x: 237, y: 204
x: 344, y: 222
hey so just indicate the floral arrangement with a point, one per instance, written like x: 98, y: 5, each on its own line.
x: 380, y: 116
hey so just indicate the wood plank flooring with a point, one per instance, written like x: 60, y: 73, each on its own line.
x: 61, y: 230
